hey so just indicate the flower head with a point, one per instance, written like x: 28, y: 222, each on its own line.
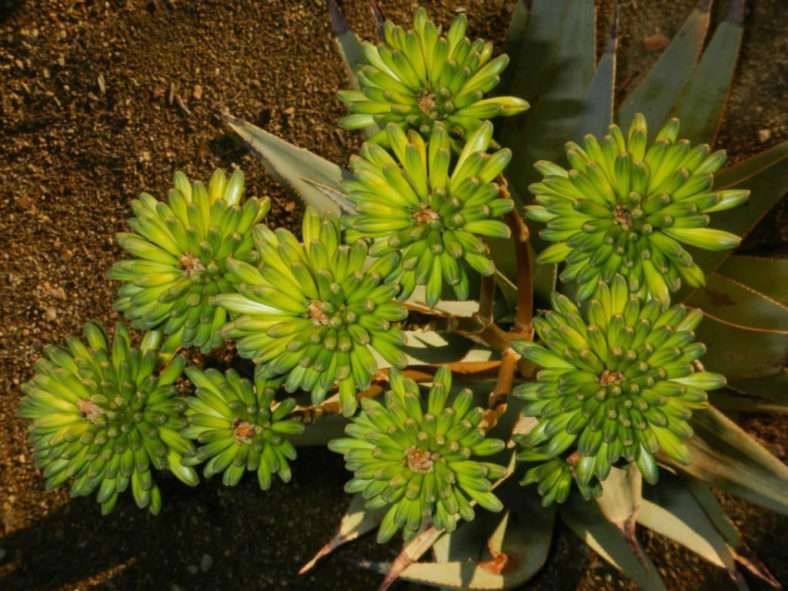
x: 180, y: 249
x: 627, y: 208
x: 311, y: 312
x: 102, y: 415
x: 429, y: 209
x: 419, y: 77
x: 619, y: 382
x: 240, y: 427
x: 416, y: 460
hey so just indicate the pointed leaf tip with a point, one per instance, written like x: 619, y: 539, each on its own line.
x: 377, y: 16
x: 338, y: 23
x: 735, y: 12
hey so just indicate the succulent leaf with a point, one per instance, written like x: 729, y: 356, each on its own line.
x: 428, y: 209
x: 416, y: 459
x: 619, y: 383
x: 309, y: 312
x: 626, y: 208
x: 418, y: 77
x: 240, y: 426
x: 181, y: 249
x: 104, y: 417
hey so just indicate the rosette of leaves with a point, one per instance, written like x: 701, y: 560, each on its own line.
x: 419, y: 460
x: 103, y: 415
x: 428, y: 208
x: 240, y: 427
x: 180, y: 250
x: 627, y: 207
x: 311, y: 312
x: 419, y: 77
x: 618, y: 383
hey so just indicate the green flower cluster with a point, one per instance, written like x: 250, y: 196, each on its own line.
x: 180, y: 249
x: 419, y: 77
x: 311, y: 312
x: 626, y: 207
x: 430, y: 211
x: 553, y: 479
x: 418, y: 461
x: 240, y: 427
x: 619, y: 381
x: 103, y: 415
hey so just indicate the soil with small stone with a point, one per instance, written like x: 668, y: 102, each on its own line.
x: 102, y: 99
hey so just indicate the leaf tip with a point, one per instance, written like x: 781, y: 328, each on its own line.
x: 338, y: 23
x: 377, y: 16
x: 735, y: 12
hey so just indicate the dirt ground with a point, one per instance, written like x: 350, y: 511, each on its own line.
x: 102, y: 99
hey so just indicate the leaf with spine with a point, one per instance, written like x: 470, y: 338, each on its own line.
x: 725, y: 456
x: 733, y: 303
x: 746, y: 397
x: 597, y: 113
x: 741, y: 353
x: 671, y: 510
x: 722, y: 523
x: 553, y: 71
x: 347, y: 42
x: 312, y: 178
x: 491, y: 552
x: 764, y: 280
x: 766, y: 176
x: 622, y: 492
x: 656, y: 95
x: 512, y: 44
x: 700, y: 106
x: 557, y: 60
x: 766, y: 275
x: 355, y: 522
x: 350, y: 49
x: 586, y: 519
x: 772, y: 388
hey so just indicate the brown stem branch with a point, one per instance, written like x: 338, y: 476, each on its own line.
x: 522, y: 252
x: 486, y: 297
x: 503, y: 386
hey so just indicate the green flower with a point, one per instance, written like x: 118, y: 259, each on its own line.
x: 553, y: 480
x: 417, y: 78
x: 103, y: 415
x: 625, y: 208
x: 416, y: 460
x: 312, y: 313
x: 240, y: 427
x: 428, y: 209
x: 181, y: 248
x: 620, y: 381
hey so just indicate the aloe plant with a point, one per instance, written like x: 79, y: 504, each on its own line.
x: 408, y: 313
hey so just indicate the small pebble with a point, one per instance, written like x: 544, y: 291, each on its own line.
x: 197, y: 92
x: 764, y: 135
x: 206, y: 563
x: 50, y: 314
x: 192, y: 569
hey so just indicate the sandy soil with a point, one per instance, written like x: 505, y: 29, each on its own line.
x: 102, y: 99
